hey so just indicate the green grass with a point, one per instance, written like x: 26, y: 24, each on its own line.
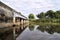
x: 45, y: 22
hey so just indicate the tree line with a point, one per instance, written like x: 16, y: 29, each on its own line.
x: 48, y: 14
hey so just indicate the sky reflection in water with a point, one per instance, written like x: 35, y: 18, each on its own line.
x: 37, y: 32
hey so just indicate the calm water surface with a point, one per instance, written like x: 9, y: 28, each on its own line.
x: 36, y: 32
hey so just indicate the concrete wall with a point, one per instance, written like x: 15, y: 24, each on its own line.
x: 7, y: 10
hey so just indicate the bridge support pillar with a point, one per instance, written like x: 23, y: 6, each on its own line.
x: 18, y: 21
x: 14, y: 20
x: 21, y: 21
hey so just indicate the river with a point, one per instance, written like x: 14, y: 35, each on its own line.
x: 31, y: 32
x: 37, y: 32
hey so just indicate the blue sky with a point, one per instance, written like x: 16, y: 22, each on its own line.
x: 33, y: 6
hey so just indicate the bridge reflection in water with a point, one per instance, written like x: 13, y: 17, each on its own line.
x: 11, y: 33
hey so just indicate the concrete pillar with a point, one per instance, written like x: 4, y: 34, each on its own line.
x: 18, y: 19
x: 21, y: 21
x: 24, y: 21
x: 14, y: 20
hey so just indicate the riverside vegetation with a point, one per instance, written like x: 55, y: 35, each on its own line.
x: 46, y: 18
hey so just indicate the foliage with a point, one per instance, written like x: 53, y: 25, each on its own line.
x: 57, y: 14
x: 49, y: 14
x: 31, y: 16
x: 41, y: 15
x: 48, y: 17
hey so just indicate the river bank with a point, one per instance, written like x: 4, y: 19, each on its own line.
x: 45, y: 22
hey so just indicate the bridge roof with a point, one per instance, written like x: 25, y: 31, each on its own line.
x: 18, y: 14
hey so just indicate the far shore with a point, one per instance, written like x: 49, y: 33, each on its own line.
x: 45, y: 23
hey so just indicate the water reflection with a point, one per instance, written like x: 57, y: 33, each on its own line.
x: 11, y: 33
x: 32, y: 32
x: 31, y: 27
x: 41, y: 28
x: 49, y: 29
x: 18, y: 30
x: 40, y: 32
x: 6, y: 35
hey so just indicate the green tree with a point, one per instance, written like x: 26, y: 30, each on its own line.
x: 57, y: 14
x: 41, y: 15
x: 31, y: 16
x: 50, y: 14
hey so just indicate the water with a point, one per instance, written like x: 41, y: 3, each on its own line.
x: 31, y: 32
x: 37, y: 32
x: 11, y: 33
x: 6, y: 34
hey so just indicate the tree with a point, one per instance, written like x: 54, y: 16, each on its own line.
x: 31, y: 16
x: 57, y: 14
x: 50, y: 14
x: 41, y: 15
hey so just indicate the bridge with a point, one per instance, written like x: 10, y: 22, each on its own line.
x: 11, y: 16
x: 11, y: 22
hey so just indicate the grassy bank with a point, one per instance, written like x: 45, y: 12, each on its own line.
x: 45, y: 22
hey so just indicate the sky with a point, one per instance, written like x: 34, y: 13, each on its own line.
x: 33, y: 6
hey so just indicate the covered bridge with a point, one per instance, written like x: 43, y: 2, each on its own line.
x: 9, y: 15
